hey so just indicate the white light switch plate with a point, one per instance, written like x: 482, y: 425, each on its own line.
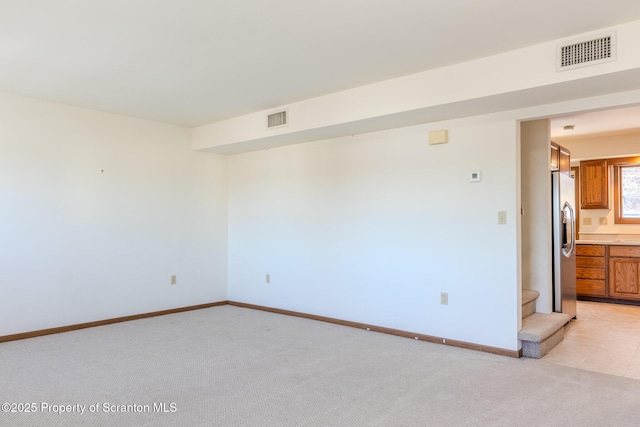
x: 502, y: 217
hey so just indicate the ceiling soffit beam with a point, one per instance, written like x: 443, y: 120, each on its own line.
x: 518, y: 79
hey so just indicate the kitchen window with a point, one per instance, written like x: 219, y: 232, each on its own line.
x: 627, y: 191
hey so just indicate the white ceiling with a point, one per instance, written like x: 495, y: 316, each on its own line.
x: 192, y: 62
x: 596, y: 122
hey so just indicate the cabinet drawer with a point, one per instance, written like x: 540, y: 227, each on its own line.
x: 590, y: 273
x: 589, y: 261
x: 593, y: 288
x: 590, y: 250
x: 624, y: 251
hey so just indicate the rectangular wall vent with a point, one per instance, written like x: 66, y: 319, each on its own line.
x: 277, y: 119
x: 585, y: 52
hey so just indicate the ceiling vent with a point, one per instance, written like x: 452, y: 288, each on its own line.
x: 278, y: 119
x: 591, y: 51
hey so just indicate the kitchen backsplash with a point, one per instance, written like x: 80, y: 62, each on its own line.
x: 604, y: 237
x: 602, y: 222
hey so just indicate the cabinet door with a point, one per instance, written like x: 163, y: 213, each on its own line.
x: 624, y: 276
x: 554, y: 160
x: 565, y: 161
x: 594, y: 183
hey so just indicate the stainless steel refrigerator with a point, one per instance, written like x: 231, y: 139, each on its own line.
x: 564, y: 243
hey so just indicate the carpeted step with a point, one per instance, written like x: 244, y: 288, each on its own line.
x: 529, y: 298
x: 541, y: 332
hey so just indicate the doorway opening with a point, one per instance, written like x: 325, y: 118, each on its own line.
x: 606, y: 336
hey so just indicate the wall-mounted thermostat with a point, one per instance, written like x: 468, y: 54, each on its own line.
x: 475, y: 176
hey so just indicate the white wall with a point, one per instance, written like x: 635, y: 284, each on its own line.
x: 371, y: 228
x: 78, y: 244
x: 536, y: 217
x: 602, y: 146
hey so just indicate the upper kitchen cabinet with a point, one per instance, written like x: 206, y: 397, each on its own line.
x: 594, y: 184
x: 565, y: 160
x: 559, y: 158
x: 554, y: 161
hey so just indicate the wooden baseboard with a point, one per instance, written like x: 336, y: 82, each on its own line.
x: 61, y: 329
x: 406, y: 334
x: 374, y: 328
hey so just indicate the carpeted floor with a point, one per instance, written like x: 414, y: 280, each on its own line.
x: 229, y: 366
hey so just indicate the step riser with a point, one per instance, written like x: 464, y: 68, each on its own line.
x: 537, y: 350
x: 541, y: 332
x: 528, y: 309
x: 529, y: 298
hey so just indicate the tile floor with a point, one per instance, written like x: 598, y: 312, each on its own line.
x: 604, y: 338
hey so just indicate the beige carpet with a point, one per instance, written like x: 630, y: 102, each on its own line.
x: 228, y: 366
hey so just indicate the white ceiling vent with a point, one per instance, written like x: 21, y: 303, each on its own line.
x: 591, y: 51
x: 277, y: 119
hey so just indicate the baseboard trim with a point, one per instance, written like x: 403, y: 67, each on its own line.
x: 42, y: 332
x: 390, y: 331
x: 374, y: 328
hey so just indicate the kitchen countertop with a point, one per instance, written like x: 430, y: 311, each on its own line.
x: 608, y: 242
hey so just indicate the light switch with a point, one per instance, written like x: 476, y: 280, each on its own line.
x: 502, y: 217
x: 444, y: 298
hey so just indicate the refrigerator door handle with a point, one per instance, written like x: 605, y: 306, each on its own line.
x: 568, y: 245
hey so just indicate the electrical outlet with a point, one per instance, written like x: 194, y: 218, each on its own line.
x: 603, y: 220
x: 444, y: 298
x: 174, y: 279
x: 268, y: 278
x: 586, y: 221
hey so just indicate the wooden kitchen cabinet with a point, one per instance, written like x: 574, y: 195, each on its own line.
x: 559, y: 158
x: 594, y: 184
x: 591, y: 270
x: 564, y: 161
x: 624, y: 272
x: 554, y: 157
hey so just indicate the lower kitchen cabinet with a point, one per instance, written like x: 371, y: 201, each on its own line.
x: 608, y: 272
x: 624, y: 272
x: 591, y: 270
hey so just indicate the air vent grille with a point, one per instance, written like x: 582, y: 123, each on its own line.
x: 587, y: 52
x: 277, y: 119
